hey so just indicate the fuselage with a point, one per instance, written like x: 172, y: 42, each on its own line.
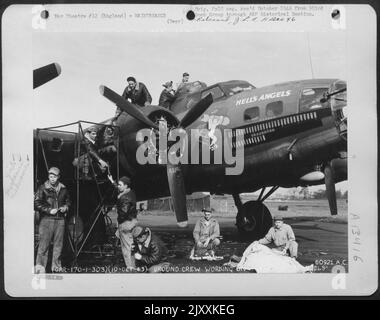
x: 284, y: 129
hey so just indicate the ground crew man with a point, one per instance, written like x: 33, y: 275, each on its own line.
x: 282, y: 237
x: 185, y: 80
x: 206, y: 235
x: 137, y: 92
x: 167, y: 95
x: 52, y: 201
x: 126, y: 218
x: 148, y: 250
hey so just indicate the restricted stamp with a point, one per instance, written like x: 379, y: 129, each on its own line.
x: 226, y: 144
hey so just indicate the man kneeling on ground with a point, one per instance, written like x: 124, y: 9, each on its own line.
x: 206, y: 235
x: 283, y: 238
x: 148, y: 251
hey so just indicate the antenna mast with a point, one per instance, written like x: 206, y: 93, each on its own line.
x: 311, y: 62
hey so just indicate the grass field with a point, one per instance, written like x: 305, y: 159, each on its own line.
x: 322, y: 239
x: 224, y: 206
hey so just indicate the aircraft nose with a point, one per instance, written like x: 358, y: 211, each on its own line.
x: 342, y: 127
x: 339, y: 106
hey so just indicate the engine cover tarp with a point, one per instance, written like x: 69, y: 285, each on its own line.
x: 265, y: 260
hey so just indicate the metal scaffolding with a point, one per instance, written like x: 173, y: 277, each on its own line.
x: 77, y: 242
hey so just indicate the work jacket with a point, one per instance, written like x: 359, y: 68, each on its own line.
x: 202, y: 231
x: 280, y: 237
x: 90, y: 148
x: 152, y: 251
x: 126, y: 206
x: 166, y: 99
x: 139, y: 95
x: 47, y: 197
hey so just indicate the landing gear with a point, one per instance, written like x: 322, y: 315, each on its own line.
x: 254, y: 218
x: 255, y: 221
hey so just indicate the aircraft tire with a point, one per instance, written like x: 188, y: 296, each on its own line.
x: 257, y: 220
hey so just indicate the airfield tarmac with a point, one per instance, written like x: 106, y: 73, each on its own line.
x: 322, y: 239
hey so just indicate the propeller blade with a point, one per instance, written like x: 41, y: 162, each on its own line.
x: 196, y: 111
x: 45, y: 74
x: 178, y: 193
x: 330, y: 189
x: 126, y: 106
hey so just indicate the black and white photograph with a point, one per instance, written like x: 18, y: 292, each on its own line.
x: 204, y: 151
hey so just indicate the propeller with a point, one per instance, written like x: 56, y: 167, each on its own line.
x: 330, y: 188
x: 196, y: 111
x: 178, y: 192
x: 126, y: 106
x: 174, y: 171
x: 45, y: 74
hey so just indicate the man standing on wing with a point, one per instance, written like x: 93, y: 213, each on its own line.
x: 52, y: 201
x: 167, y: 95
x: 137, y: 93
x: 185, y: 80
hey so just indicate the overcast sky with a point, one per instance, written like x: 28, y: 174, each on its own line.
x: 91, y: 59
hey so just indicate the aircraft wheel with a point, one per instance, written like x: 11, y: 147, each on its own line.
x: 255, y: 220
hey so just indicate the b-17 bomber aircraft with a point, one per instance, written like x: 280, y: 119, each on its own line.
x: 283, y: 135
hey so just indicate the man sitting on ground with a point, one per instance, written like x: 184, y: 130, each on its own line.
x: 282, y: 237
x: 148, y: 250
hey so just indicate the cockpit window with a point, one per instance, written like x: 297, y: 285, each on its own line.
x: 252, y: 114
x: 215, y: 91
x: 234, y: 88
x: 274, y: 109
x: 238, y: 89
x: 311, y: 98
x: 189, y: 88
x: 339, y: 100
